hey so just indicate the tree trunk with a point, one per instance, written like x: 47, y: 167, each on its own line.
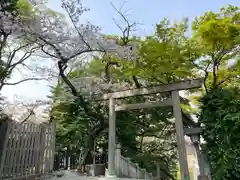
x: 88, y: 147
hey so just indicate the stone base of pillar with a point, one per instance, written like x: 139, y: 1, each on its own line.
x: 107, y: 175
x: 111, y: 176
x: 203, y: 177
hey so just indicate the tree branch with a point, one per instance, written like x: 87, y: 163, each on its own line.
x: 125, y: 31
x: 74, y: 24
x: 10, y: 66
x: 24, y: 80
x: 107, y: 69
x: 29, y: 115
x: 13, y: 54
x: 125, y: 35
x: 206, y: 76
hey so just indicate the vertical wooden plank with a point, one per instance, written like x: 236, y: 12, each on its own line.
x: 39, y: 149
x: 19, y: 146
x: 50, y: 146
x: 111, y: 138
x: 8, y: 164
x: 10, y: 150
x: 35, y: 148
x: 42, y: 149
x: 24, y: 148
x: 7, y: 127
x: 26, y: 152
x: 3, y: 133
x: 31, y: 148
x: 54, y: 143
x: 13, y: 150
x: 46, y: 150
x: 180, y: 136
x: 37, y: 160
x: 16, y: 154
x: 28, y: 148
x: 21, y: 169
x: 53, y: 136
x: 21, y: 152
x: 24, y: 168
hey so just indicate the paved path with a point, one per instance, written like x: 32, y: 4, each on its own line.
x: 70, y: 175
x: 73, y: 175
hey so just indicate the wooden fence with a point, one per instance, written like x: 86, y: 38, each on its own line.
x: 26, y: 149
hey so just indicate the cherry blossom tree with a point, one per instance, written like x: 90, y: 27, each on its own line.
x: 20, y: 54
x: 76, y: 43
x: 25, y: 110
x: 18, y: 47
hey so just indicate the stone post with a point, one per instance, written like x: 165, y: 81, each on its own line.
x: 199, y: 159
x: 128, y: 165
x: 145, y: 174
x: 150, y: 175
x: 137, y: 170
x: 117, y: 159
x: 180, y: 136
x: 111, y: 139
x: 140, y: 172
x: 158, y: 171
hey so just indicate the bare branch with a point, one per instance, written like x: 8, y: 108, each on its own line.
x: 126, y: 34
x: 74, y: 24
x: 125, y: 31
x: 24, y: 80
x: 12, y: 66
x: 13, y: 54
x: 31, y: 112
x: 49, y: 54
x: 58, y: 52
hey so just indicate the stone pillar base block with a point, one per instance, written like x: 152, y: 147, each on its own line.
x: 203, y: 177
x: 111, y: 176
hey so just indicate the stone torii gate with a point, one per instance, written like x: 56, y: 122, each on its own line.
x: 174, y: 101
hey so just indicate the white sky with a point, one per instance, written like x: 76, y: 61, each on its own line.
x: 29, y: 90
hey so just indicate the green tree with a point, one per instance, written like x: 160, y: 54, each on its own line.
x: 215, y: 41
x: 163, y: 56
x: 220, y: 117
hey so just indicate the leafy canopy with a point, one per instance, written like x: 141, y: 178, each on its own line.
x: 220, y: 117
